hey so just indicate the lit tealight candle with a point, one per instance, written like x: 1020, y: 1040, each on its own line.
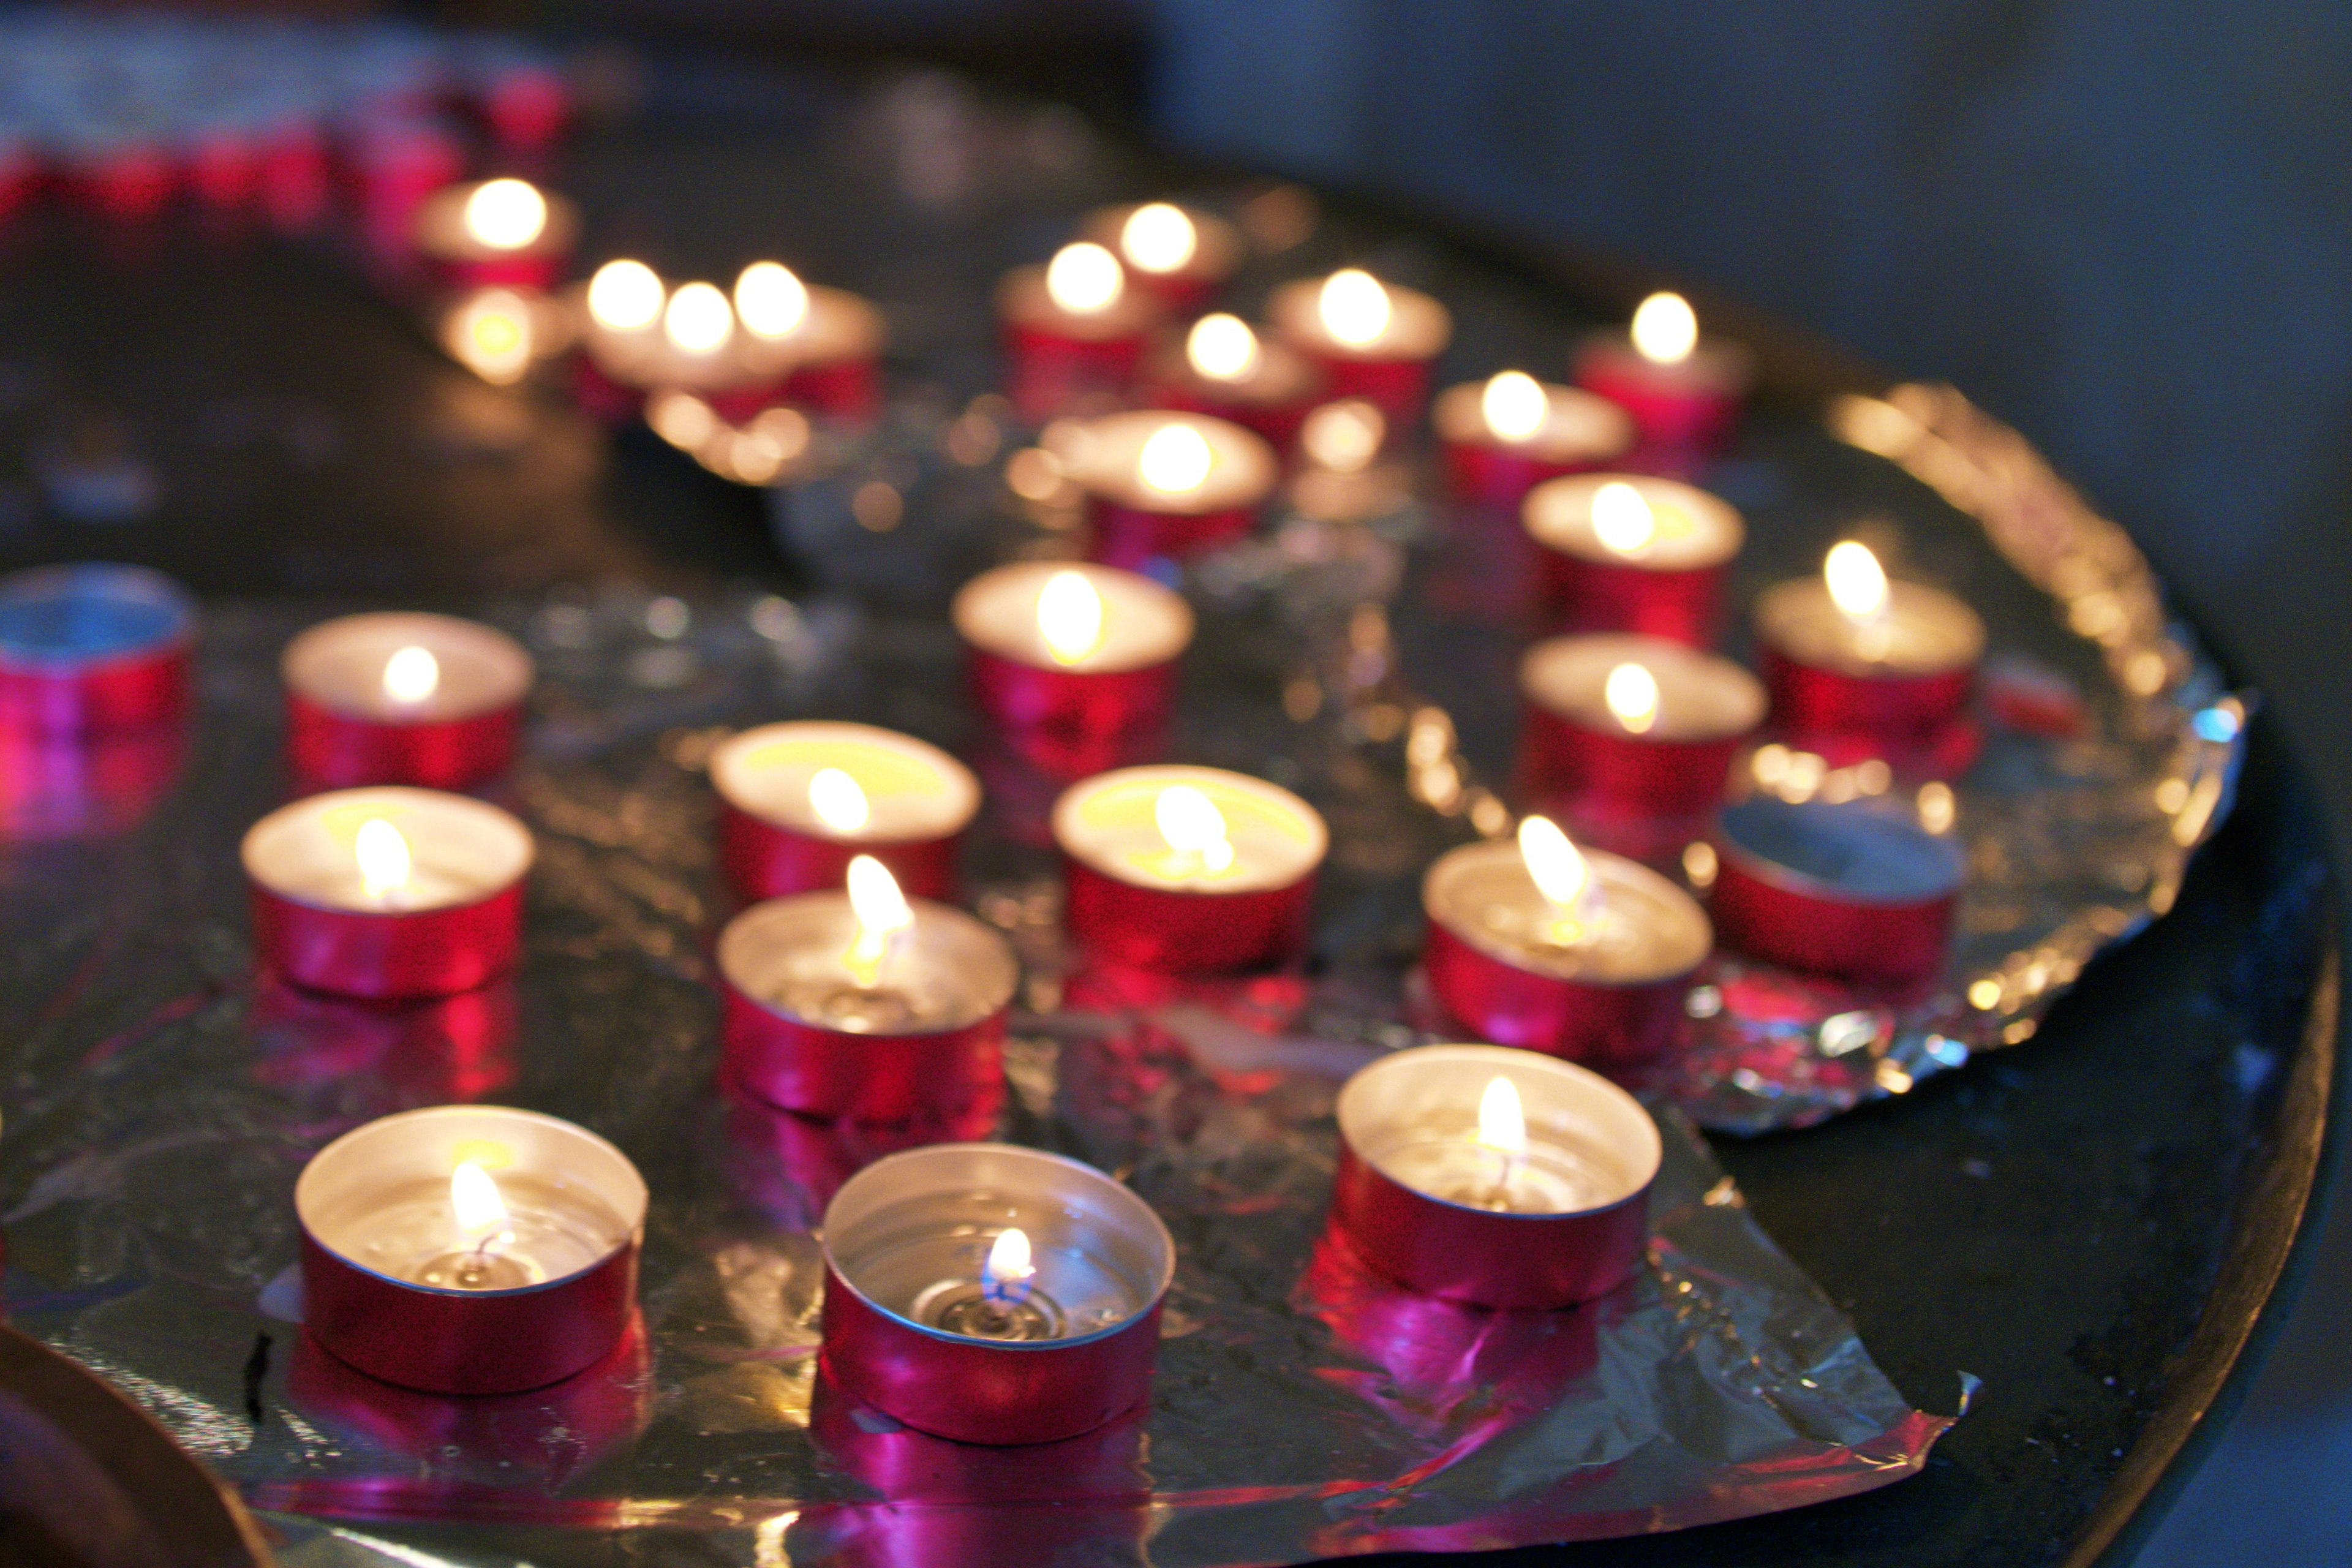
x: 1860, y: 663
x: 827, y: 342
x: 1684, y: 391
x: 1180, y: 253
x: 1505, y: 436
x: 502, y: 231
x: 469, y: 1249
x: 1165, y: 484
x: 390, y: 892
x: 1623, y: 728
x: 401, y: 698
x: 992, y: 1294
x: 625, y: 296
x: 1493, y: 1176
x: 1185, y: 870
x: 1573, y: 951
x: 798, y: 800
x: 1374, y: 339
x: 1078, y: 649
x: 1627, y: 552
x: 1072, y: 329
x: 865, y: 1004
x: 1224, y: 368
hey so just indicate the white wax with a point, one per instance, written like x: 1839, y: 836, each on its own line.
x: 1701, y: 696
x: 913, y: 791
x: 1109, y: 822
x: 1023, y: 300
x: 1920, y: 631
x: 339, y: 666
x: 1216, y: 244
x: 1143, y: 624
x: 1577, y: 427
x: 1419, y: 326
x: 1717, y: 366
x: 441, y: 232
x: 1105, y: 456
x: 1694, y: 529
x: 1633, y: 928
x: 461, y: 850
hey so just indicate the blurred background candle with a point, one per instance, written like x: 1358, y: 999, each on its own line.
x: 1074, y: 330
x: 1576, y: 953
x: 1187, y: 871
x: 403, y: 697
x: 503, y: 231
x: 387, y: 893
x: 1504, y: 436
x: 826, y: 342
x: 1854, y: 659
x: 1626, y: 552
x: 1179, y: 253
x: 93, y: 648
x: 1374, y: 339
x: 1341, y: 477
x: 1226, y: 368
x: 1853, y: 889
x: 1622, y: 727
x: 640, y: 336
x: 798, y: 801
x: 1685, y: 392
x: 1168, y: 484
x: 1074, y: 648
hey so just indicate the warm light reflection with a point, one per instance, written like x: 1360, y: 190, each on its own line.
x: 1515, y: 406
x: 1665, y: 329
x: 411, y: 675
x: 1159, y: 238
x: 1559, y: 870
x: 1631, y: 693
x: 1084, y: 278
x: 1857, y: 584
x: 505, y: 215
x: 1175, y: 461
x: 1502, y: 1125
x: 682, y: 419
x: 1005, y: 1276
x: 837, y: 801
x: 480, y: 1208
x: 772, y: 301
x: 698, y: 319
x: 624, y: 296
x: 1344, y: 437
x: 1193, y: 827
x: 1354, y: 307
x: 490, y: 334
x: 383, y: 854
x: 1621, y: 519
x: 1070, y: 617
x: 882, y: 913
x: 1221, y: 347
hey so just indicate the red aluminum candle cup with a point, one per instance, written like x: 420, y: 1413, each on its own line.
x: 1901, y: 676
x: 1270, y: 391
x: 339, y: 907
x: 917, y: 1326
x: 1047, y: 662
x: 1056, y: 358
x: 1502, y: 440
x: 1690, y: 406
x: 1179, y: 253
x: 402, y: 698
x: 90, y: 648
x: 497, y: 232
x: 1653, y: 744
x: 1381, y: 354
x: 922, y: 1040
x: 414, y: 1277
x: 786, y: 826
x: 830, y: 361
x: 1602, y: 984
x: 1849, y: 890
x: 1164, y: 484
x: 1629, y: 553
x: 1415, y: 1184
x: 1136, y: 899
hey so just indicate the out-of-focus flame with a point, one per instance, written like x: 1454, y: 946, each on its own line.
x: 1354, y: 307
x: 1514, y: 405
x: 1159, y: 238
x: 698, y: 319
x: 625, y: 296
x: 1502, y: 1125
x: 1621, y: 519
x: 411, y: 675
x: 1857, y: 584
x: 1192, y: 826
x: 1559, y: 870
x: 1344, y: 437
x: 384, y: 858
x: 1221, y: 347
x: 1631, y: 693
x: 1175, y: 461
x: 505, y: 215
x: 1084, y: 278
x: 1665, y: 329
x: 837, y: 801
x: 882, y: 913
x: 490, y: 333
x: 770, y: 302
x: 1070, y: 617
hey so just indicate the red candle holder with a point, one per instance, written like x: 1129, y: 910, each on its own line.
x: 1085, y: 670
x: 387, y: 893
x: 919, y: 1036
x: 1850, y: 889
x: 1683, y: 408
x: 1424, y: 1198
x: 128, y: 180
x: 1651, y: 744
x: 1894, y: 678
x: 1168, y: 484
x: 403, y: 697
x: 898, y: 799
x: 502, y: 232
x: 1236, y: 893
x: 829, y: 358
x: 1179, y: 253
x: 1062, y: 349
x: 934, y: 1318
x: 469, y: 1249
x: 1652, y: 559
x: 1263, y: 387
x: 1601, y: 981
x: 1376, y: 343
x: 1502, y: 437
x: 92, y: 648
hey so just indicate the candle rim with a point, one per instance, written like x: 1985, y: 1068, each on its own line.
x: 1796, y: 599
x: 1628, y: 876
x: 1026, y: 579
x: 298, y: 813
x: 1458, y: 415
x: 738, y: 751
x: 441, y: 216
x: 1881, y: 817
x: 1022, y: 301
x: 990, y: 997
x: 1160, y: 775
x: 1722, y: 364
x: 1420, y: 326
x: 514, y: 670
x: 1656, y: 653
x: 1557, y: 515
x: 1242, y: 466
x: 1216, y: 243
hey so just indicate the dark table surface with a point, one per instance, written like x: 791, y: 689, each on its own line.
x: 2092, y: 1223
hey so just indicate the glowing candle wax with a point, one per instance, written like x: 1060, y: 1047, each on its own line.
x: 797, y: 801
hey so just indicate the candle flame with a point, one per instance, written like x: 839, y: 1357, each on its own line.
x: 505, y: 215
x: 1221, y: 347
x: 1084, y: 278
x: 1192, y: 826
x: 1009, y: 1267
x: 1665, y: 329
x: 1345, y: 436
x: 772, y: 301
x: 1559, y: 868
x: 411, y: 675
x: 384, y: 858
x: 481, y: 1208
x: 882, y: 913
x: 1631, y: 693
x: 1515, y: 406
x: 624, y: 296
x: 1502, y: 1125
x: 698, y: 319
x: 1622, y: 518
x: 1159, y: 238
x: 1857, y: 584
x: 837, y: 801
x: 1070, y: 617
x: 1354, y: 307
x: 1176, y: 460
